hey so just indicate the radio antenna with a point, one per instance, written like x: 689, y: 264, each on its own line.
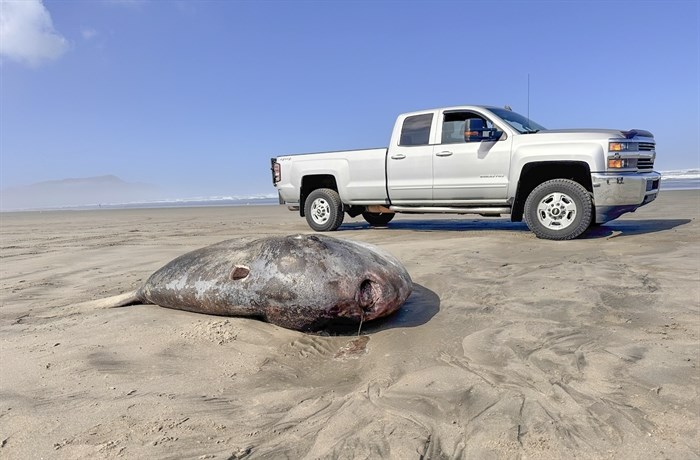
x: 528, y: 98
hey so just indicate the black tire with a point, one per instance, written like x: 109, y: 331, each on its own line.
x: 378, y: 219
x: 559, y: 209
x: 324, y: 210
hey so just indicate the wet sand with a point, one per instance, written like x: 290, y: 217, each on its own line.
x: 510, y: 346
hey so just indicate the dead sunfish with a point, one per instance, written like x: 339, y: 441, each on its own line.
x: 302, y: 282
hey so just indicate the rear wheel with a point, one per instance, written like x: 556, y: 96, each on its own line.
x: 324, y: 210
x: 378, y: 219
x: 559, y: 209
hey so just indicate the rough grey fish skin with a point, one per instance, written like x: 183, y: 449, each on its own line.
x: 302, y: 282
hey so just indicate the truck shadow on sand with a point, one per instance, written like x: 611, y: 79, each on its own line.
x: 615, y: 228
x: 611, y: 229
x: 439, y: 225
x: 418, y: 309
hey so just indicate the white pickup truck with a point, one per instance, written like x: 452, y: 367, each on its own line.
x: 477, y: 160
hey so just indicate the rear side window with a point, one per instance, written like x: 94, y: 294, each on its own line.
x: 416, y: 130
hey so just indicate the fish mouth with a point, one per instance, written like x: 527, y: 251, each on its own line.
x: 367, y: 295
x: 376, y: 299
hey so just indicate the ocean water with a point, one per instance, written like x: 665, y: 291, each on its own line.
x: 680, y: 179
x: 254, y: 200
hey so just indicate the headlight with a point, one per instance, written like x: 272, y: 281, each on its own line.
x: 623, y: 146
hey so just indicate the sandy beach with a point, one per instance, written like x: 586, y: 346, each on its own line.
x: 509, y: 347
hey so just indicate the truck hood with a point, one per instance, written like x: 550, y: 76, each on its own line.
x: 603, y: 132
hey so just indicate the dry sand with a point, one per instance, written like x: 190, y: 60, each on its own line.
x: 510, y: 346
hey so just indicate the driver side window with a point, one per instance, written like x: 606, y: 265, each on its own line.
x: 453, y: 125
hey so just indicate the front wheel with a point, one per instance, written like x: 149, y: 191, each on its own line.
x: 324, y: 210
x: 378, y: 219
x: 559, y: 209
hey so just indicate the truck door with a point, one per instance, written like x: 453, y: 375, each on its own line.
x: 409, y: 163
x: 465, y: 171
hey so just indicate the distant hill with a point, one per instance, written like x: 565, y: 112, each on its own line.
x: 88, y: 191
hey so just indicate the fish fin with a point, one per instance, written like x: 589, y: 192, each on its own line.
x: 121, y: 300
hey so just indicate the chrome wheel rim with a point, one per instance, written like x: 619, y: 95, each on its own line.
x: 320, y: 211
x: 556, y: 211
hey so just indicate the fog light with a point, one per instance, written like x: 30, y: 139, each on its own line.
x: 616, y: 163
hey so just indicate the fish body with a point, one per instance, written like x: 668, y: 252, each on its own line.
x: 302, y: 282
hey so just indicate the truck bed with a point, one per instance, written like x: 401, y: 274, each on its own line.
x: 362, y: 173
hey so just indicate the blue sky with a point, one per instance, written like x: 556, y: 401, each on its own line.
x: 196, y: 96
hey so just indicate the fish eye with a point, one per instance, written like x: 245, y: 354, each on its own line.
x: 239, y: 272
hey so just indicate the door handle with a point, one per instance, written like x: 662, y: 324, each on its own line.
x: 398, y: 156
x: 444, y: 153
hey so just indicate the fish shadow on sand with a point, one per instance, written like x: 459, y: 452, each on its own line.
x: 616, y: 229
x: 418, y: 309
x: 439, y: 225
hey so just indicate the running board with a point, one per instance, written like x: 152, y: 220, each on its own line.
x: 484, y: 211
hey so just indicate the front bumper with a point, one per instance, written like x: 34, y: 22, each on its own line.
x: 615, y: 194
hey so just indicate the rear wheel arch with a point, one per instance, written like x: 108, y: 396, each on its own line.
x: 313, y: 182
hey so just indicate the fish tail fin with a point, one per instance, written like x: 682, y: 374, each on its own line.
x: 121, y: 300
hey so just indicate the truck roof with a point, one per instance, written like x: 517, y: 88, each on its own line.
x: 454, y: 107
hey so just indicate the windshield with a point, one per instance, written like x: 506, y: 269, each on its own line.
x: 520, y: 123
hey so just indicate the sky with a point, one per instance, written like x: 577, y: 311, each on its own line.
x: 196, y: 96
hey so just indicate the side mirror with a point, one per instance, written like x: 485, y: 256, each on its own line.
x: 475, y: 130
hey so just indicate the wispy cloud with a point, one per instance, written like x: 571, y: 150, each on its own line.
x: 88, y: 33
x: 27, y: 34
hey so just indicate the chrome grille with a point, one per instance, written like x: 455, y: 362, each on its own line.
x: 645, y: 163
x: 646, y: 146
